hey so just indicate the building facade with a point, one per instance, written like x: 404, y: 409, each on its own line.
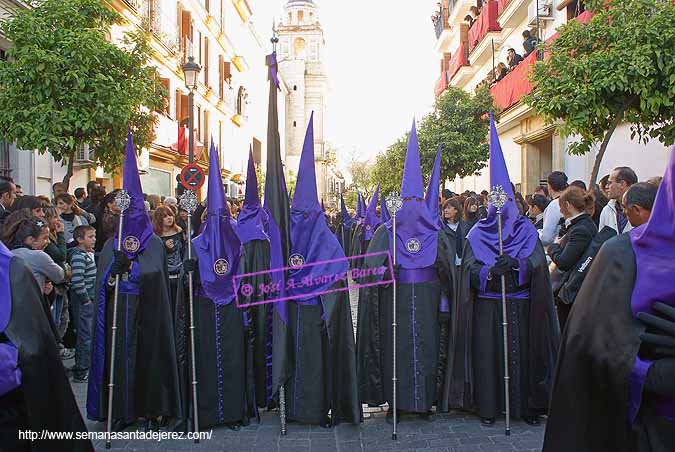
x: 532, y: 148
x: 301, y: 52
x: 229, y: 105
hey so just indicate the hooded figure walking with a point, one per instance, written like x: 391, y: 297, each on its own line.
x: 424, y: 287
x: 476, y: 359
x: 364, y: 231
x: 225, y: 392
x: 146, y: 373
x: 323, y: 371
x: 614, y: 386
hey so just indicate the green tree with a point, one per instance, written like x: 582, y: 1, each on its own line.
x: 619, y: 67
x: 65, y: 85
x: 360, y: 172
x: 459, y: 122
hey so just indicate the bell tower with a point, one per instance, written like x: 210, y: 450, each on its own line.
x: 301, y: 49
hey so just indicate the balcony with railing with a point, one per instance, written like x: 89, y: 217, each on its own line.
x: 162, y: 24
x: 135, y: 5
x: 459, y: 60
x: 516, y: 84
x: 485, y: 24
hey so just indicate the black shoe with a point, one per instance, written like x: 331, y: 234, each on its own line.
x: 80, y: 378
x: 531, y: 420
x: 487, y: 420
x: 234, y: 426
x: 119, y: 425
x: 372, y: 405
x: 428, y: 416
x: 327, y: 422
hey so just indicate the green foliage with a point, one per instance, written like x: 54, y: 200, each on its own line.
x: 291, y: 180
x: 620, y: 67
x: 65, y: 85
x: 459, y: 122
x: 361, y: 179
x: 260, y: 175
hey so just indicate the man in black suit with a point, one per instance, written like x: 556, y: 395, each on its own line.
x: 7, y: 196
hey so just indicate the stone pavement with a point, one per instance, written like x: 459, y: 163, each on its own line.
x: 454, y: 432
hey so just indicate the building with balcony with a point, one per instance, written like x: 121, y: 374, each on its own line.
x: 230, y: 103
x: 532, y: 148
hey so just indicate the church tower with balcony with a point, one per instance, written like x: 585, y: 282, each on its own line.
x: 301, y: 48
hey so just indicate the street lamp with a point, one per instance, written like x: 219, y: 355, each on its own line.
x: 191, y: 72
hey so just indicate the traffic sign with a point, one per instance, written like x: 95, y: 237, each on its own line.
x: 192, y: 177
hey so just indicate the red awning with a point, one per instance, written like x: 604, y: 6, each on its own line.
x: 486, y: 22
x: 441, y: 84
x: 501, y: 6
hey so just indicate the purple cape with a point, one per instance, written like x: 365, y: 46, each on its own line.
x: 416, y: 231
x: 136, y: 227
x: 654, y: 246
x: 218, y: 248
x: 519, y: 235
x: 312, y: 240
x: 5, y: 295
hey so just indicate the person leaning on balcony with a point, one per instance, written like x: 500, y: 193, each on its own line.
x: 513, y: 59
x: 501, y: 70
x: 529, y: 43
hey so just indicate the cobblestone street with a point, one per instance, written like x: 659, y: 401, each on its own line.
x: 454, y: 432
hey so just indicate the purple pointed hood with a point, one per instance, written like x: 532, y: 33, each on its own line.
x: 433, y: 188
x: 520, y: 236
x: 372, y: 221
x: 312, y: 240
x: 5, y: 293
x: 416, y: 230
x: 347, y: 219
x: 654, y: 245
x: 384, y: 213
x: 218, y: 248
x: 252, y: 218
x: 136, y: 227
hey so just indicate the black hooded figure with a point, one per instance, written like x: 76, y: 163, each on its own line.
x: 323, y: 371
x: 424, y: 287
x: 343, y: 231
x: 364, y: 232
x: 223, y: 354
x: 614, y: 386
x: 35, y: 392
x: 476, y: 355
x: 146, y: 371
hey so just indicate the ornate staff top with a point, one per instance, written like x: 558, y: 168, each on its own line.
x: 122, y: 200
x: 188, y: 201
x: 394, y: 203
x: 497, y: 197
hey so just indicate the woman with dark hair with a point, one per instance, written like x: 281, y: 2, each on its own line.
x: 71, y: 215
x: 30, y: 202
x: 164, y: 225
x: 108, y: 224
x: 27, y: 238
x: 471, y: 211
x: 576, y: 207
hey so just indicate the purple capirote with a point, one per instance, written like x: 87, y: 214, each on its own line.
x: 654, y: 244
x: 519, y: 235
x: 322, y: 290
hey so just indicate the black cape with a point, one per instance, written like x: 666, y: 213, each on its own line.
x: 45, y: 399
x: 315, y: 386
x: 589, y: 404
x: 344, y: 236
x: 541, y: 333
x: 417, y: 346
x: 146, y: 372
x: 223, y: 360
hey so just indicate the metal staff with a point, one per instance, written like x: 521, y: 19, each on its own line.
x: 188, y: 202
x: 122, y: 202
x: 282, y: 410
x: 394, y: 204
x: 498, y: 198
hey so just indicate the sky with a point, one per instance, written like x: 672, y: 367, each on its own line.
x: 381, y: 68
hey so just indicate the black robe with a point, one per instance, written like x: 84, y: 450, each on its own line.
x: 45, y: 399
x: 443, y: 383
x: 146, y: 373
x: 476, y: 361
x: 344, y: 236
x: 589, y: 405
x: 323, y: 367
x: 359, y: 246
x: 418, y: 333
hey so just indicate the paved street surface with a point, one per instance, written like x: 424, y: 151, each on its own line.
x: 455, y: 432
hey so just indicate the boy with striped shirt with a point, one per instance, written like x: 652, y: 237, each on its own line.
x: 82, y: 291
